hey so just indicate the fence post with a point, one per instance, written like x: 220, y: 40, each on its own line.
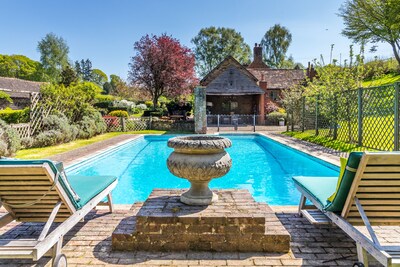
x: 122, y: 121
x: 396, y: 116
x: 335, y: 112
x: 254, y: 122
x: 303, y: 113
x: 150, y: 122
x: 292, y: 117
x: 218, y: 123
x: 316, y: 115
x: 360, y: 115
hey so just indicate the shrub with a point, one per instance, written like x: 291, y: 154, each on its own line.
x: 15, y: 116
x: 92, y: 123
x: 129, y: 105
x: 149, y: 104
x: 47, y: 138
x: 9, y: 140
x: 141, y: 106
x: 27, y: 142
x: 276, y: 116
x: 103, y: 104
x: 61, y: 124
x: 104, y: 98
x: 119, y: 113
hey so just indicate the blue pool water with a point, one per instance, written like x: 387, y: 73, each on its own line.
x: 259, y: 164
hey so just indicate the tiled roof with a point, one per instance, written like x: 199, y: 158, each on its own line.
x: 279, y: 78
x: 19, y: 88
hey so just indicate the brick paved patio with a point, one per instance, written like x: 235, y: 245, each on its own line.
x: 89, y: 243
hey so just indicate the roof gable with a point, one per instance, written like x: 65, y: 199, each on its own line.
x: 228, y: 61
x: 232, y: 81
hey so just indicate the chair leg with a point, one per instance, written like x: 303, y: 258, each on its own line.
x: 362, y: 255
x: 110, y: 204
x: 56, y: 250
x: 302, y: 204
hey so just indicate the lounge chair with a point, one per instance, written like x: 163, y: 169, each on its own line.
x: 368, y: 194
x: 39, y: 191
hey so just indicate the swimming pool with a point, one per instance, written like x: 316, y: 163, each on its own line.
x: 259, y: 164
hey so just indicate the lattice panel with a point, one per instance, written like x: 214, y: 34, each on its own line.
x: 137, y: 124
x: 113, y: 124
x: 23, y: 129
x: 378, y: 117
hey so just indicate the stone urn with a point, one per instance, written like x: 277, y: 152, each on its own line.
x: 199, y: 159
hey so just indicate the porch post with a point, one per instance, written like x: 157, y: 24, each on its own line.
x: 200, y: 112
x: 261, y: 119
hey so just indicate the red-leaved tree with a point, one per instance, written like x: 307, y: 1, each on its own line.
x: 162, y: 66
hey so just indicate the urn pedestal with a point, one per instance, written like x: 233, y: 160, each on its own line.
x: 199, y: 159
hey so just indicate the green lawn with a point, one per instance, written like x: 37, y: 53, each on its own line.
x: 387, y: 79
x: 324, y: 141
x: 45, y: 152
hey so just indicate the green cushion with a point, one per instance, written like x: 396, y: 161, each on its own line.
x: 343, y: 163
x: 352, y: 165
x: 80, y: 186
x: 87, y: 187
x: 319, y: 187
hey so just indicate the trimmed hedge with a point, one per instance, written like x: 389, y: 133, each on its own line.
x: 15, y: 116
x: 119, y: 113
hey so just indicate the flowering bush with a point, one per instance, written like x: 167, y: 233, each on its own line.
x: 271, y: 107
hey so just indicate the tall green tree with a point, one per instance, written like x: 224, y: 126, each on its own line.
x: 53, y: 55
x: 99, y: 77
x: 212, y: 45
x: 275, y: 43
x: 373, y: 21
x: 84, y: 69
x: 22, y: 67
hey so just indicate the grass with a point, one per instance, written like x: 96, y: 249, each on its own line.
x: 45, y: 152
x: 387, y: 79
x: 324, y: 141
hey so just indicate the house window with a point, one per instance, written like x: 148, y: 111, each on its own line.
x: 274, y: 95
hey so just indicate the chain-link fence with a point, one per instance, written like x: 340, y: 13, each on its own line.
x: 362, y: 118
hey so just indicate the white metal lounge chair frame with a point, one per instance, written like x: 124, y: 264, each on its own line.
x: 386, y: 255
x: 36, y: 248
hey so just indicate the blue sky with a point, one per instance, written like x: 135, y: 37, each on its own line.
x: 104, y: 31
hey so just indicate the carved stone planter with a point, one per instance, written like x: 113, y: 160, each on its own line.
x: 199, y: 159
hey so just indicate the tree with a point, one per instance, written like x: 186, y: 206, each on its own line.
x: 22, y: 67
x: 162, y: 66
x: 212, y: 45
x: 99, y: 77
x: 68, y: 76
x: 84, y: 70
x: 372, y: 21
x: 275, y: 44
x: 53, y: 55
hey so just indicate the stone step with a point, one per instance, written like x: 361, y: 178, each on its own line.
x: 165, y: 224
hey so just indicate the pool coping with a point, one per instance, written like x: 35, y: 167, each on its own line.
x: 315, y: 152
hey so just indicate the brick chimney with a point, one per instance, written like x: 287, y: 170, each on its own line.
x: 258, y: 62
